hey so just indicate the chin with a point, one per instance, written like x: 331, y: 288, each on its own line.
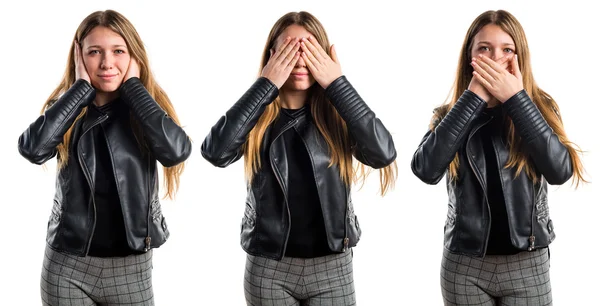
x: 298, y: 86
x: 104, y: 87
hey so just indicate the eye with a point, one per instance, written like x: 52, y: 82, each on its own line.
x: 94, y: 52
x: 509, y: 50
x: 119, y: 51
x: 484, y: 48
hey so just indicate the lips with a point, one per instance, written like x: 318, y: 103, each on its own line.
x: 107, y: 77
x: 300, y: 74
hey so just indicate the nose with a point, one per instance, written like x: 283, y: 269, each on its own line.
x: 300, y: 63
x: 496, y: 54
x: 107, y: 62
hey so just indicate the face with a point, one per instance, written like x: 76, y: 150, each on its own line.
x: 493, y: 42
x: 106, y: 58
x: 300, y: 78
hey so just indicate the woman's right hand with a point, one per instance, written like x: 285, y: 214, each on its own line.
x: 80, y: 71
x: 282, y: 62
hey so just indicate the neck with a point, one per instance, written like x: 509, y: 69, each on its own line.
x: 493, y: 102
x: 293, y: 99
x: 102, y: 98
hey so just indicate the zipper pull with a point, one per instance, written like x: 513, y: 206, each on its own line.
x: 147, y: 240
x: 531, y: 243
x: 346, y: 240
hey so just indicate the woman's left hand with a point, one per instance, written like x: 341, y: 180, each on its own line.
x: 323, y: 68
x: 500, y: 82
x: 132, y: 71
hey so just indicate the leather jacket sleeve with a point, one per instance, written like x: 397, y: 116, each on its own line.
x: 550, y: 156
x: 438, y: 147
x: 167, y: 141
x: 38, y: 143
x: 374, y: 145
x: 223, y: 145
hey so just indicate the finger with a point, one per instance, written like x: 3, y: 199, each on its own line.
x: 515, y: 67
x: 488, y: 65
x: 311, y: 58
x: 293, y: 62
x: 282, y: 49
x: 312, y: 50
x: 290, y: 56
x: 77, y: 51
x: 333, y: 54
x: 502, y: 61
x: 310, y: 61
x: 481, y: 71
x: 318, y: 47
x: 482, y: 80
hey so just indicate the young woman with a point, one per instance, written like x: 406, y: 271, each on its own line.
x: 298, y: 127
x: 108, y: 122
x: 499, y: 140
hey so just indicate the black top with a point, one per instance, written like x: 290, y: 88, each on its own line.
x: 109, y: 238
x: 307, y: 237
x: 499, y: 242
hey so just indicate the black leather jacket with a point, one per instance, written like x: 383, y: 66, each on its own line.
x: 266, y: 222
x: 468, y: 221
x: 72, y: 221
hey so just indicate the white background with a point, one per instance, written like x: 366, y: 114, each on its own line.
x: 401, y: 59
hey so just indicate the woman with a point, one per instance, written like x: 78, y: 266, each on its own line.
x: 108, y: 122
x: 298, y: 127
x: 500, y: 140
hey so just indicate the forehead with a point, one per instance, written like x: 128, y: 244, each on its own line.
x: 103, y: 36
x: 292, y: 31
x: 492, y: 33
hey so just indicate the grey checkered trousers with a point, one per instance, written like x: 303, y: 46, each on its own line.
x: 522, y: 279
x: 325, y: 280
x: 85, y: 281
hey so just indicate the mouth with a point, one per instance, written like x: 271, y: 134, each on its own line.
x: 299, y: 74
x: 107, y: 77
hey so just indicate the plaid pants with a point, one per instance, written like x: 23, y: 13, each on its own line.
x: 520, y: 279
x: 83, y: 281
x: 325, y: 280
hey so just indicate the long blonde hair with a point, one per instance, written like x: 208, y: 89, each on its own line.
x: 545, y: 103
x: 120, y: 25
x: 329, y: 123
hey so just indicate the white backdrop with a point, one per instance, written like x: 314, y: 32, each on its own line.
x: 402, y: 60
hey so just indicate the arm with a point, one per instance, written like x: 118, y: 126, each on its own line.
x: 438, y: 147
x: 549, y: 155
x: 223, y: 145
x: 374, y: 144
x: 167, y: 141
x: 38, y: 143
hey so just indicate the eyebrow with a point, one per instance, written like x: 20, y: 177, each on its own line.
x: 114, y: 46
x: 489, y: 43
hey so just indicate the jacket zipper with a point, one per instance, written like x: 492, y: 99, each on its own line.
x: 482, y: 185
x: 285, y: 196
x: 532, y: 236
x: 89, y: 181
x: 148, y: 239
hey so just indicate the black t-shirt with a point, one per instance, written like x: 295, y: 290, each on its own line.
x: 109, y: 238
x: 307, y: 238
x: 499, y: 242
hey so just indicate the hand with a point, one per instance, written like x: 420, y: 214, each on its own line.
x: 281, y: 62
x: 80, y: 70
x: 476, y: 87
x: 132, y: 71
x: 499, y: 82
x: 323, y: 68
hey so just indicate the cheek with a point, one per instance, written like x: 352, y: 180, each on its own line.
x: 123, y: 63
